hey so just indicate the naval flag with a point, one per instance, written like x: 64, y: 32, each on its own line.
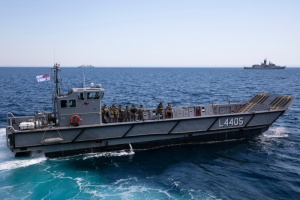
x: 41, y: 78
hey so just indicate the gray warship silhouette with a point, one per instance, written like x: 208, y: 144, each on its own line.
x: 75, y: 126
x: 264, y: 65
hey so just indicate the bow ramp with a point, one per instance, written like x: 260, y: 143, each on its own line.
x: 262, y: 102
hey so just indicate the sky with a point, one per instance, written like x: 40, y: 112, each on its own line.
x: 156, y: 33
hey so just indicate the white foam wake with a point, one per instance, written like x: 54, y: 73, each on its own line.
x: 124, y: 188
x: 8, y: 160
x: 2, y: 136
x: 276, y: 132
x: 5, y: 153
x: 111, y: 154
x: 14, y: 164
x: 108, y: 154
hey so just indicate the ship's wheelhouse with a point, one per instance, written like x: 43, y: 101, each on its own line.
x: 85, y: 103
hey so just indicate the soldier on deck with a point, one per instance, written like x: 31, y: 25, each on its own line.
x: 114, y: 113
x: 133, y: 112
x: 160, y: 109
x: 169, y: 111
x: 141, y: 113
x: 127, y: 114
x: 121, y: 113
x: 110, y: 110
x: 105, y: 114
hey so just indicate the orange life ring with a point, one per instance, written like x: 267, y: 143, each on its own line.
x: 74, y: 120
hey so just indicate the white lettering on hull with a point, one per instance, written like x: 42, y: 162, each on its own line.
x: 237, y: 121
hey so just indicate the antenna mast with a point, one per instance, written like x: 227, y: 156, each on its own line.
x: 56, y: 93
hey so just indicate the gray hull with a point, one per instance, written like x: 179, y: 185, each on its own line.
x: 264, y: 67
x: 88, y: 139
x: 160, y: 142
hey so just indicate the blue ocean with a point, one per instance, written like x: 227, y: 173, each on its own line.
x: 264, y: 167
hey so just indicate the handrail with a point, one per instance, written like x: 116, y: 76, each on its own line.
x: 9, y: 116
x: 9, y: 113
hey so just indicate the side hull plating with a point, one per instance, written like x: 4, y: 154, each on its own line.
x: 186, y: 139
x: 146, y: 134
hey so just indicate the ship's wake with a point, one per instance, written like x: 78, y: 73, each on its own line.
x: 17, y: 163
x: 276, y: 132
x: 129, y: 152
x: 8, y: 160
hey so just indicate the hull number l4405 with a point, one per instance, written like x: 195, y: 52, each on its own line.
x: 235, y: 121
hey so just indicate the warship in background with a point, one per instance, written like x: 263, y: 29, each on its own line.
x: 264, y: 65
x: 86, y: 66
x: 76, y: 125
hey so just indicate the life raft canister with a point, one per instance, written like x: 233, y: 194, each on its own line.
x: 74, y: 120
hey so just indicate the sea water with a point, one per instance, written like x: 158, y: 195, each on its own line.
x: 265, y: 167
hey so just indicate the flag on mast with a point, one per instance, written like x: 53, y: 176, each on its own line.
x: 42, y: 78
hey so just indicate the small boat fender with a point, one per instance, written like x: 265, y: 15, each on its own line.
x: 74, y: 120
x: 50, y: 141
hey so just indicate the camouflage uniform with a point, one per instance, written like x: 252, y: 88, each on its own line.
x: 133, y: 112
x: 121, y: 113
x: 105, y: 114
x: 141, y: 113
x: 160, y: 109
x: 127, y: 114
x: 115, y: 113
x: 169, y: 111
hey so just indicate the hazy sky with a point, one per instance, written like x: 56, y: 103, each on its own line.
x: 149, y: 33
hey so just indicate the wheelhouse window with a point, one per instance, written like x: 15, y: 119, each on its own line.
x: 93, y: 95
x: 72, y: 103
x: 63, y: 103
x: 81, y: 96
x: 97, y: 95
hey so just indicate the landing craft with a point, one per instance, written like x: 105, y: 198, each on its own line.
x: 76, y: 125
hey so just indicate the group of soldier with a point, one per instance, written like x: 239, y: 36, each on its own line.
x: 118, y: 114
x: 168, y: 110
x: 115, y: 114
